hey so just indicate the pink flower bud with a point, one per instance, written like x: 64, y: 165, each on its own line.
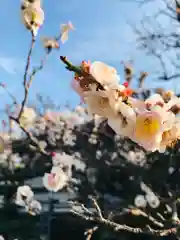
x: 53, y: 154
x: 126, y: 84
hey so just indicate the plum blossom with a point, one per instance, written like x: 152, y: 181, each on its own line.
x: 50, y: 43
x: 140, y: 201
x: 148, y: 130
x: 104, y: 74
x: 85, y: 66
x: 65, y: 28
x: 28, y: 116
x: 154, y: 99
x: 152, y: 123
x: 32, y: 3
x: 140, y: 105
x: 174, y: 101
x: 153, y: 200
x: 32, y: 17
x: 95, y: 76
x: 33, y: 207
x: 123, y: 122
x: 167, y: 95
x: 97, y: 102
x: 149, y: 123
x: 170, y: 137
x: 55, y: 180
x: 25, y: 198
x: 64, y: 161
x: 24, y: 195
x: 80, y: 83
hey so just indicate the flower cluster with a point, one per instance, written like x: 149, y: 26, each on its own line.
x: 148, y: 197
x: 152, y: 123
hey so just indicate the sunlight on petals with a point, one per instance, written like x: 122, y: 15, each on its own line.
x: 148, y: 130
x: 137, y: 104
x: 154, y: 99
x: 170, y: 136
x: 104, y: 74
x: 121, y: 126
x: 172, y: 102
x: 98, y: 103
x: 33, y: 18
x: 124, y: 120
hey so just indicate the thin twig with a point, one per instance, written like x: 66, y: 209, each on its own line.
x: 138, y: 212
x: 30, y: 137
x: 90, y: 232
x: 33, y: 39
x: 99, y: 219
x: 99, y: 212
x: 70, y: 66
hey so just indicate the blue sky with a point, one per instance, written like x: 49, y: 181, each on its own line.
x: 102, y: 33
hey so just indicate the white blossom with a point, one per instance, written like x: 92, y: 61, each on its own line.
x: 140, y: 201
x: 24, y: 195
x: 55, y: 180
x: 153, y: 200
x: 34, y: 207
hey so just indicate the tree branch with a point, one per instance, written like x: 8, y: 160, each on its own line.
x: 99, y: 219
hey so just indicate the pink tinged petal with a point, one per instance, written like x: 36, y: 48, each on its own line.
x: 71, y: 25
x: 152, y: 145
x: 76, y: 87
x: 137, y: 105
x: 155, y: 99
x: 51, y: 178
x: 104, y: 74
x: 174, y: 101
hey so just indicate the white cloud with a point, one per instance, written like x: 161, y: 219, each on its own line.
x: 11, y: 65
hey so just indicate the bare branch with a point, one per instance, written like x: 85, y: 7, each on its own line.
x: 33, y: 39
x: 30, y: 136
x: 99, y: 219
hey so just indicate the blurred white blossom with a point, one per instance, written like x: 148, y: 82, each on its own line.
x: 16, y: 161
x: 91, y: 175
x: 34, y: 207
x: 153, y: 200
x: 27, y: 118
x: 50, y: 43
x: 65, y: 28
x: 140, y: 201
